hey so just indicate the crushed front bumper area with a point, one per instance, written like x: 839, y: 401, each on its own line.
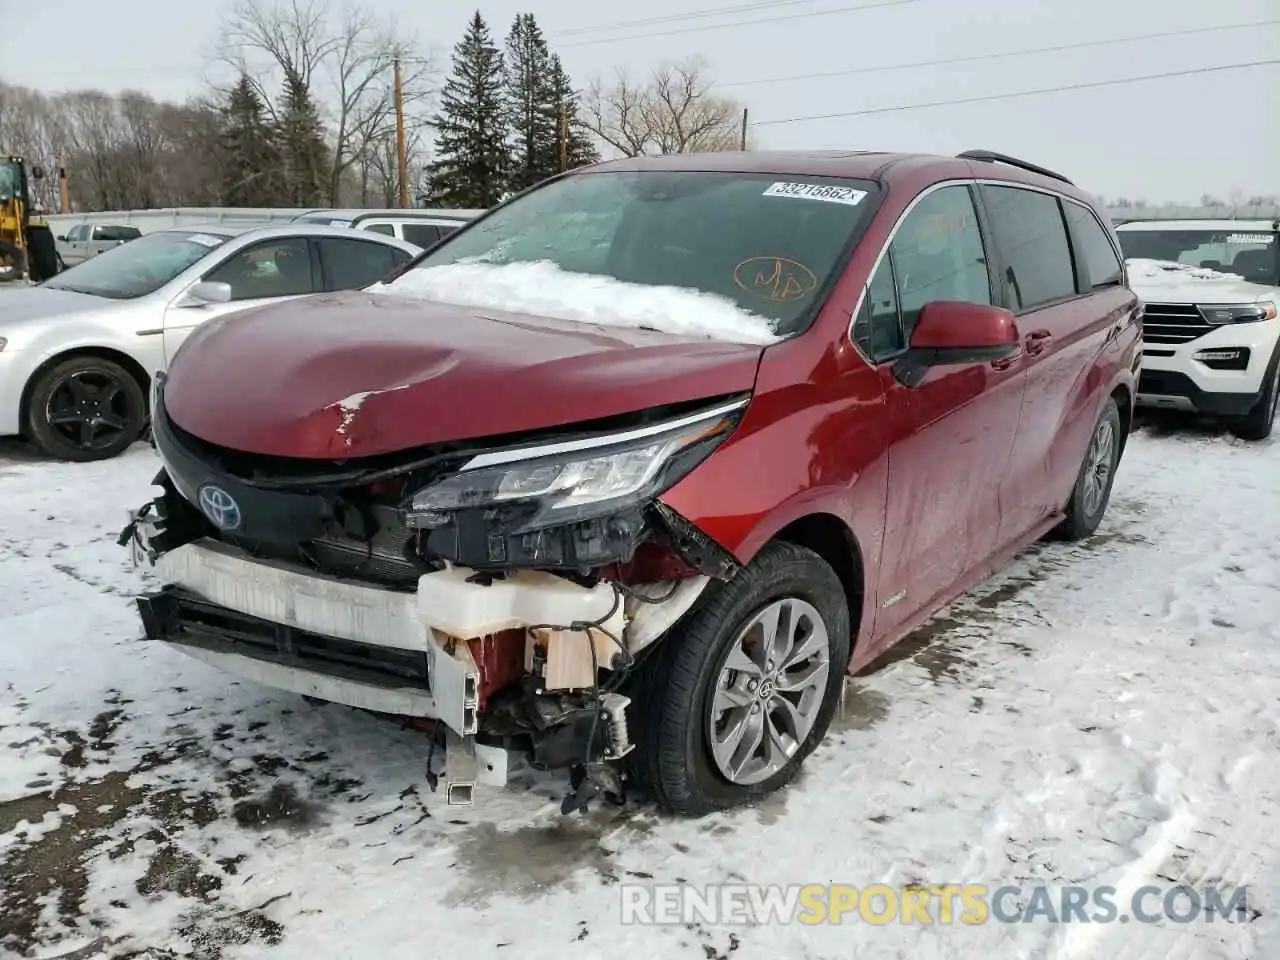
x: 435, y: 654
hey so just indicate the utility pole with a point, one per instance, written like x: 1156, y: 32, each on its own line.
x: 744, y: 128
x: 564, y: 137
x: 64, y: 204
x: 402, y: 157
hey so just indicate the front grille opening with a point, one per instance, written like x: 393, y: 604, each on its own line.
x: 1173, y: 323
x: 207, y: 625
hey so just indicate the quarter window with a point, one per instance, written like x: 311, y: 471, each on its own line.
x: 938, y: 254
x: 1032, y: 239
x: 1096, y: 251
x: 384, y: 228
x: 273, y: 268
x: 881, y: 320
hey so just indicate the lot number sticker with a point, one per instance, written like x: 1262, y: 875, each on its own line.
x: 817, y: 191
x: 205, y: 240
x: 1250, y: 238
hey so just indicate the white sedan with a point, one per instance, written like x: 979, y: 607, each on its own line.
x: 78, y: 352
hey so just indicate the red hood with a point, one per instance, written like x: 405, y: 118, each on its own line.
x: 353, y: 375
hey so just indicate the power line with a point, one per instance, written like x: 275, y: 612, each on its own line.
x: 1084, y: 45
x: 740, y: 23
x: 695, y: 15
x: 1020, y: 93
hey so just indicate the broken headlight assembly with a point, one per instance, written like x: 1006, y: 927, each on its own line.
x: 573, y: 505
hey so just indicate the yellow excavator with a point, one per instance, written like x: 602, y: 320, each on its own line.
x: 27, y: 248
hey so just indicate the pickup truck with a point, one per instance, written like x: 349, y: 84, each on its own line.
x: 87, y: 240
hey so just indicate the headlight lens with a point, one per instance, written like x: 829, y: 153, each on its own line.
x: 3, y: 343
x: 1238, y: 312
x: 557, y: 484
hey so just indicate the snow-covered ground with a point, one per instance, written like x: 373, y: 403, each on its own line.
x: 1105, y: 713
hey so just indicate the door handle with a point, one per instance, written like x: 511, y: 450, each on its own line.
x: 1005, y: 363
x: 1038, y: 340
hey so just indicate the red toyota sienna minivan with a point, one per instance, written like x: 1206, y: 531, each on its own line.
x: 627, y: 475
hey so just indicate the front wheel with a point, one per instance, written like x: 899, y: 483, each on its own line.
x: 1259, y: 421
x: 744, y: 689
x: 1092, y: 492
x: 86, y: 408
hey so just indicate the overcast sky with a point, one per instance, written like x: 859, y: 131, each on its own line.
x: 1162, y: 139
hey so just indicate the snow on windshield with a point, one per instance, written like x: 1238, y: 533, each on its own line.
x: 543, y: 289
x: 1171, y: 269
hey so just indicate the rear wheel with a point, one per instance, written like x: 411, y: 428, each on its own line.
x: 1092, y: 492
x: 86, y: 408
x: 1258, y: 422
x: 744, y: 689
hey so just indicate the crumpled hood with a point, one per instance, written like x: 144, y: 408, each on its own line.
x: 41, y: 303
x: 1160, y: 281
x: 356, y: 375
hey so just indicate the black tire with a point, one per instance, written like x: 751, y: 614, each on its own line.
x: 15, y: 261
x: 1082, y: 516
x: 672, y: 760
x: 95, y: 389
x: 43, y: 253
x: 1259, y: 421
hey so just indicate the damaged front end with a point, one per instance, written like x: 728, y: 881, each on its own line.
x: 499, y: 594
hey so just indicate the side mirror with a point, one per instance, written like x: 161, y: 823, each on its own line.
x: 61, y: 238
x: 207, y: 291
x: 37, y: 172
x: 951, y: 332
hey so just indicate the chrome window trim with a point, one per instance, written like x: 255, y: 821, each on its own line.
x: 960, y: 182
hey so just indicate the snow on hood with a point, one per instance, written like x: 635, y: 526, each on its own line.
x: 1165, y: 280
x: 1158, y: 269
x: 543, y: 289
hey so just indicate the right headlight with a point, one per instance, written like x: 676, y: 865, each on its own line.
x: 1218, y: 314
x: 580, y: 502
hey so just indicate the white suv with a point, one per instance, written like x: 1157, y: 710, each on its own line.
x: 1211, y: 337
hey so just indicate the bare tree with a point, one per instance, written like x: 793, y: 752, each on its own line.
x: 674, y: 111
x: 342, y: 59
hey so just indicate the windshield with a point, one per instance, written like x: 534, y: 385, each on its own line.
x: 759, y: 245
x: 138, y: 267
x: 10, y: 179
x: 1252, y: 254
x: 327, y: 219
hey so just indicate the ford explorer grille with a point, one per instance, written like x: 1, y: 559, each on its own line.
x: 1173, y: 323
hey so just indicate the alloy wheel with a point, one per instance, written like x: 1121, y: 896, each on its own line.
x: 89, y: 408
x: 1098, y: 466
x: 769, y: 691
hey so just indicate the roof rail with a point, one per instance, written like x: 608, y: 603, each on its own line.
x: 990, y: 156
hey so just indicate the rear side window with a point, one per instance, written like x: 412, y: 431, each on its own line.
x: 1032, y: 239
x: 1096, y: 252
x: 421, y: 234
x: 353, y: 264
x: 128, y: 233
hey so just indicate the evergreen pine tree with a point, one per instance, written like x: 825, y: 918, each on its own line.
x: 304, y: 153
x: 250, y: 164
x: 531, y: 105
x: 474, y: 159
x: 582, y: 148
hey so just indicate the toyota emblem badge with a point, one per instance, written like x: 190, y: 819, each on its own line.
x: 216, y: 504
